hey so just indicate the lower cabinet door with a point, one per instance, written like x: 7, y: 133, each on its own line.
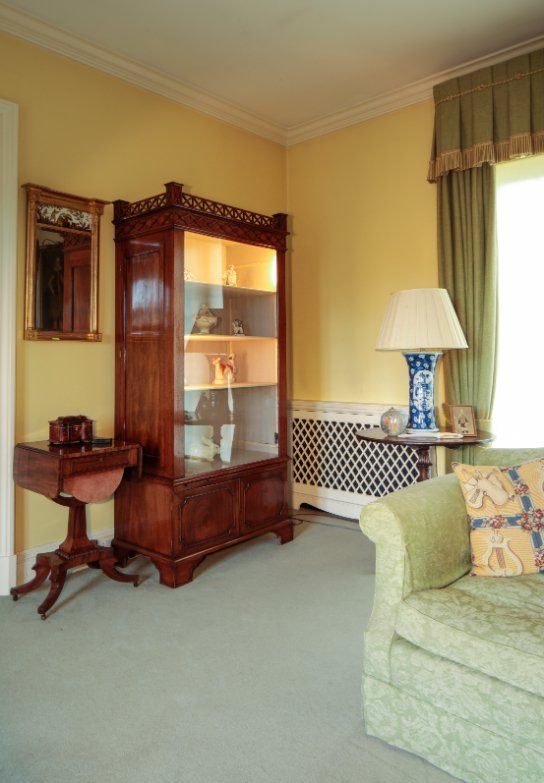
x: 208, y: 515
x: 264, y: 498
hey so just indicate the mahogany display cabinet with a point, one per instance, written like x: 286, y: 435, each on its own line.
x: 200, y: 378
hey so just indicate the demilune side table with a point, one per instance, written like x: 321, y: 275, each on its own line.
x: 423, y: 446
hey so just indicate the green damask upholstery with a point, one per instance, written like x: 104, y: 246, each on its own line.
x: 454, y: 665
x: 468, y: 694
x: 471, y: 753
x: 478, y: 631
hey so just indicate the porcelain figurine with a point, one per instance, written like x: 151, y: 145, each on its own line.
x: 238, y: 327
x: 205, y: 320
x: 205, y: 450
x: 230, y: 276
x: 188, y: 276
x: 224, y: 369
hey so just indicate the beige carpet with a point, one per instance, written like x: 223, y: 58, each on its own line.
x: 251, y: 674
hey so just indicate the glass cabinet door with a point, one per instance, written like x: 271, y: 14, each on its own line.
x: 231, y: 354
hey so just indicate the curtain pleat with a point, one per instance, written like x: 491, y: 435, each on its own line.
x: 467, y: 253
x: 492, y: 115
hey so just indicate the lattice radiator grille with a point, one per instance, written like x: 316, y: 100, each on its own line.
x: 329, y: 461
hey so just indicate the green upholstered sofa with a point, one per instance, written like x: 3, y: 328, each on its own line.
x: 454, y: 664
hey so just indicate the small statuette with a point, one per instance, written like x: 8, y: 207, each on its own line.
x: 205, y: 450
x: 224, y: 369
x: 230, y: 277
x: 205, y: 320
x: 188, y: 276
x: 238, y: 327
x: 394, y: 421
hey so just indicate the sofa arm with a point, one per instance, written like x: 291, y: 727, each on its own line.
x: 422, y: 541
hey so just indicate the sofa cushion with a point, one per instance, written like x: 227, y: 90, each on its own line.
x: 505, y: 509
x: 495, y: 626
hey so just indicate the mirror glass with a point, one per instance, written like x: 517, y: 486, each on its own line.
x: 63, y: 281
x: 62, y: 266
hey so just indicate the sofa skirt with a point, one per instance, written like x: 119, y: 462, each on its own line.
x: 464, y: 749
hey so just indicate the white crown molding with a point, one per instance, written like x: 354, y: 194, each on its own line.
x: 387, y: 102
x: 52, y: 38
x: 9, y: 113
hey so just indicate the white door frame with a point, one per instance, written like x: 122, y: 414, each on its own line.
x: 9, y: 123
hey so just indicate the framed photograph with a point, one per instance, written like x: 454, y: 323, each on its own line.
x: 463, y: 420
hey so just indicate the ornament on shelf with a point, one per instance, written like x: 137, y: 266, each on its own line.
x: 224, y: 369
x: 227, y: 438
x: 188, y: 276
x: 204, y: 406
x: 394, y: 421
x: 199, y: 442
x: 205, y: 320
x: 205, y: 450
x: 230, y: 276
x: 238, y: 327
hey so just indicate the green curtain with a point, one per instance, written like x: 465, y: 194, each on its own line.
x: 485, y: 117
x: 467, y: 253
x: 489, y: 116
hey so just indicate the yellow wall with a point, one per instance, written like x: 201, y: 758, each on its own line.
x: 363, y: 222
x: 88, y: 133
x: 364, y: 225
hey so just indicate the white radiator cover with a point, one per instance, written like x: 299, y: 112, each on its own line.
x: 333, y: 470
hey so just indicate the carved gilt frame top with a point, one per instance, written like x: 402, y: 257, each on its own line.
x: 74, y: 215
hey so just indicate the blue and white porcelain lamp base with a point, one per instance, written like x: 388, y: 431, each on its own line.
x: 421, y: 367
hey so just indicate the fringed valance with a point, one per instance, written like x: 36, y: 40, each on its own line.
x: 489, y: 116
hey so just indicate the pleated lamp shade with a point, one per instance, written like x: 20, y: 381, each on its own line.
x: 420, y: 319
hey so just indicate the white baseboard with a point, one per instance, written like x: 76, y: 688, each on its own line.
x: 27, y: 557
x: 343, y: 504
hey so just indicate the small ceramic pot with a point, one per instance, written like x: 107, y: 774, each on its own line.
x: 394, y: 421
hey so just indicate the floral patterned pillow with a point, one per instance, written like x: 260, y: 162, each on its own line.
x: 505, y: 509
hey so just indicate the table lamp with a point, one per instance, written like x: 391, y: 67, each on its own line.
x: 421, y: 323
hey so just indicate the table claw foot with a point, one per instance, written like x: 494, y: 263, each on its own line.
x: 57, y: 580
x: 42, y: 571
x: 108, y: 567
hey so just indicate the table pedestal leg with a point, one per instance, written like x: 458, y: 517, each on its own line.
x: 107, y: 564
x: 76, y: 550
x: 424, y: 462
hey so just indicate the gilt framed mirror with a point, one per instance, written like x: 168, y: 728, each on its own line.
x: 61, y: 279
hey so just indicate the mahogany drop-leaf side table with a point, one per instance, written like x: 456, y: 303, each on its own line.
x: 74, y: 476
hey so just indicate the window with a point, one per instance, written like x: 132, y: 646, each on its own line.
x: 518, y: 413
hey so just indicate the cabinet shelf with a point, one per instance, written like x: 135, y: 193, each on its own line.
x: 241, y: 385
x: 233, y: 290
x: 226, y: 338
x: 240, y: 456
